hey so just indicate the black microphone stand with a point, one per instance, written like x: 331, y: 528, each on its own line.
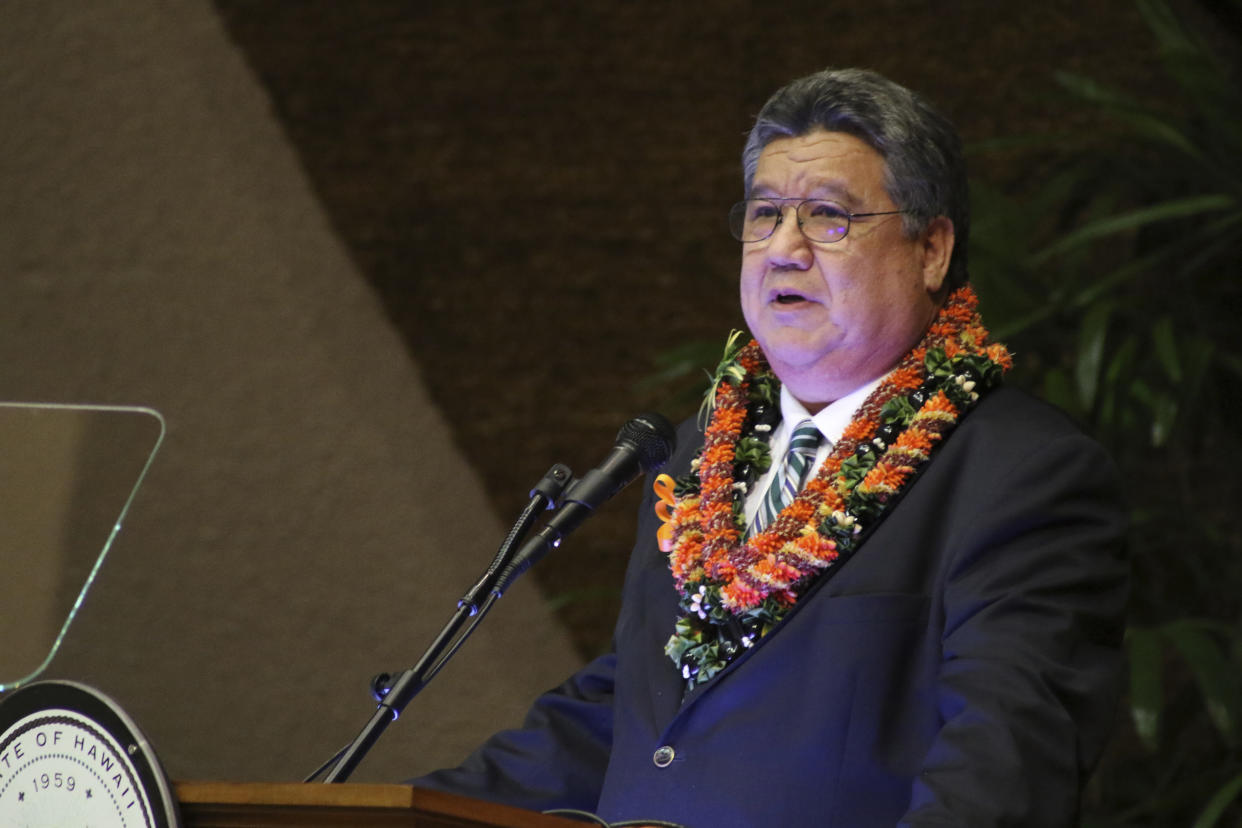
x: 644, y: 444
x: 394, y: 695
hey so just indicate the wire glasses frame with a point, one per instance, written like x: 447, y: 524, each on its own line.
x: 756, y: 219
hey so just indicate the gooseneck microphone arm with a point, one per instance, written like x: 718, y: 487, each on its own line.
x: 545, y: 495
x: 644, y: 444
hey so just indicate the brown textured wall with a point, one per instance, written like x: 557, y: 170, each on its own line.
x: 537, y: 189
x: 308, y: 521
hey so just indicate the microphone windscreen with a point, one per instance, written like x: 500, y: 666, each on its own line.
x: 654, y: 438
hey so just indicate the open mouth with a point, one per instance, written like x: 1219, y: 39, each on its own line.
x: 789, y: 298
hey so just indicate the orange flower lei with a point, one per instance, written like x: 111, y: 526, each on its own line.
x: 734, y: 591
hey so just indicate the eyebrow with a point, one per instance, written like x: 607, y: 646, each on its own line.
x: 830, y: 189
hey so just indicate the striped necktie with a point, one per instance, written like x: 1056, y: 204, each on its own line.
x: 791, y: 476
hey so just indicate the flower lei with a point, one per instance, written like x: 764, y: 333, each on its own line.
x: 734, y: 591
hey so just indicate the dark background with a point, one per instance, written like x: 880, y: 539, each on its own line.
x: 537, y: 190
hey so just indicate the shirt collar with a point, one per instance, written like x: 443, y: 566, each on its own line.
x: 832, y: 418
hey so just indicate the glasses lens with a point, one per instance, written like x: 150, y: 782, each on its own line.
x: 754, y: 219
x: 823, y: 221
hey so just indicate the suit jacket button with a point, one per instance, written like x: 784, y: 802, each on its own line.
x: 663, y: 757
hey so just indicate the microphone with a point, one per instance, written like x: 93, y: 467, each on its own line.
x: 643, y: 445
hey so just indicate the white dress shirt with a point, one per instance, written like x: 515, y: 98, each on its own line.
x: 831, y: 422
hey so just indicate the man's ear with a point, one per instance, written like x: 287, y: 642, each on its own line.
x: 938, y: 241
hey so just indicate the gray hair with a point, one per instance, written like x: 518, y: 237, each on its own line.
x: 925, y: 173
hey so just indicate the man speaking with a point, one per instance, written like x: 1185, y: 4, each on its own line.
x: 875, y: 587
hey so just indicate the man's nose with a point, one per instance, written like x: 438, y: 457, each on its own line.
x: 787, y: 247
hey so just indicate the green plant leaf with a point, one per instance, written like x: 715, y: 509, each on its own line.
x: 1115, y: 279
x: 684, y: 360
x: 1127, y: 110
x: 1059, y: 391
x: 1114, y: 274
x: 1215, y: 675
x: 1221, y: 800
x: 1197, y: 356
x: 1145, y: 649
x: 1234, y: 363
x: 1091, y: 339
x: 1134, y: 219
x: 1164, y: 408
x: 1114, y: 399
x: 1165, y: 342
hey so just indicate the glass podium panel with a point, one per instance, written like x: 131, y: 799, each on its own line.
x: 68, y: 474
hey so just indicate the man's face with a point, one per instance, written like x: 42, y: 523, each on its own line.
x: 831, y: 317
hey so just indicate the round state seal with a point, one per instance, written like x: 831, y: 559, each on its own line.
x: 70, y: 756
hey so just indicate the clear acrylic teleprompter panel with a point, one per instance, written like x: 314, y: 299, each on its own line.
x: 68, y: 474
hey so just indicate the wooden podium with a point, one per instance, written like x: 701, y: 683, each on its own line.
x: 257, y: 805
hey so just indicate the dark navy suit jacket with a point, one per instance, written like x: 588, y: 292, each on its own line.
x: 961, y: 669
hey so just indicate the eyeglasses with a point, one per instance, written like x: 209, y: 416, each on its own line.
x: 756, y: 219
